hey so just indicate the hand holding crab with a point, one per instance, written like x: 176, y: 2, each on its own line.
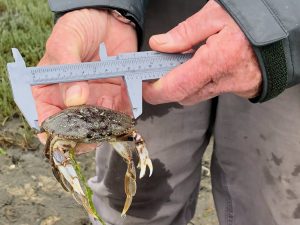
x: 75, y: 38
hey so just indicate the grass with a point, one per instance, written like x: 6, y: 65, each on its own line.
x: 24, y: 25
x: 88, y: 201
x: 2, y: 152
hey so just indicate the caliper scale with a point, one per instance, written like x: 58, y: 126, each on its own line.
x: 134, y: 67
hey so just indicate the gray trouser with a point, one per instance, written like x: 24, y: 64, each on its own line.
x: 255, y: 164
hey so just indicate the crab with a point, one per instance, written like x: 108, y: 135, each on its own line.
x: 92, y: 124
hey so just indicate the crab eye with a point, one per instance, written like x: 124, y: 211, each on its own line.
x: 130, y: 138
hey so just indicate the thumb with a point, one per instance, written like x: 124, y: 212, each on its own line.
x: 75, y: 93
x: 197, y: 28
x: 65, y: 46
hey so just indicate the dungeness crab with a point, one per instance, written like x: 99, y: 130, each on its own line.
x: 91, y: 124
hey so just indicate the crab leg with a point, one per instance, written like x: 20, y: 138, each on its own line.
x: 62, y: 162
x: 67, y: 170
x: 68, y: 175
x: 143, y: 155
x: 130, y: 186
x: 130, y: 176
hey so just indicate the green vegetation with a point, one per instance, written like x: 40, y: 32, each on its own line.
x: 2, y: 151
x: 24, y: 25
x: 87, y: 190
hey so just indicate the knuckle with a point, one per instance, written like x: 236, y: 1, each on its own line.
x: 210, y: 40
x: 51, y: 44
x: 239, y: 39
x: 208, y: 56
x: 214, y: 4
x: 183, y: 32
x: 182, y: 29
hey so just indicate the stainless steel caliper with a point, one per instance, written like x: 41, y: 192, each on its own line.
x: 133, y: 67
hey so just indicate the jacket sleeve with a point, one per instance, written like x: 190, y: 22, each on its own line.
x: 272, y: 26
x: 131, y: 9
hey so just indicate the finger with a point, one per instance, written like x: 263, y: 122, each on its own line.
x: 181, y: 81
x: 98, y: 90
x: 209, y: 91
x: 234, y: 71
x: 124, y: 102
x: 42, y: 137
x: 106, y: 101
x: 208, y: 21
x: 112, y: 93
x: 65, y: 46
x: 75, y: 93
x: 46, y: 110
x: 202, y: 81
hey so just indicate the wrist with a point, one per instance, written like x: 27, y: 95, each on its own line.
x: 132, y: 10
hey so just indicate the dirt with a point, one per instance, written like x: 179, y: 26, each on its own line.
x: 30, y: 195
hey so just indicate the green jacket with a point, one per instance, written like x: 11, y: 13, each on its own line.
x: 272, y: 27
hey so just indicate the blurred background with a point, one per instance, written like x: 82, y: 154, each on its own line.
x: 29, y: 194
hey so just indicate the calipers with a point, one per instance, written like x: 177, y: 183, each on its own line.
x: 133, y: 67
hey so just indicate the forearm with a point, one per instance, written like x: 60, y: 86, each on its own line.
x: 272, y: 27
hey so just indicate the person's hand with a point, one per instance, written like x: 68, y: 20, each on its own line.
x: 75, y: 38
x: 225, y: 63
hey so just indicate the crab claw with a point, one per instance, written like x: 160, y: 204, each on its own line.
x: 144, y: 161
x: 67, y: 171
x: 122, y: 150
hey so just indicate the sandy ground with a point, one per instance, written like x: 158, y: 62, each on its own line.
x: 30, y: 195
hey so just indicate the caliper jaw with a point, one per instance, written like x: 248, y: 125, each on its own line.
x: 21, y: 88
x: 135, y: 93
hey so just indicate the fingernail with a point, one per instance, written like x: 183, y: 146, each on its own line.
x: 73, y: 95
x: 161, y: 38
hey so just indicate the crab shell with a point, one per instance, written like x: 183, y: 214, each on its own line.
x: 88, y: 124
